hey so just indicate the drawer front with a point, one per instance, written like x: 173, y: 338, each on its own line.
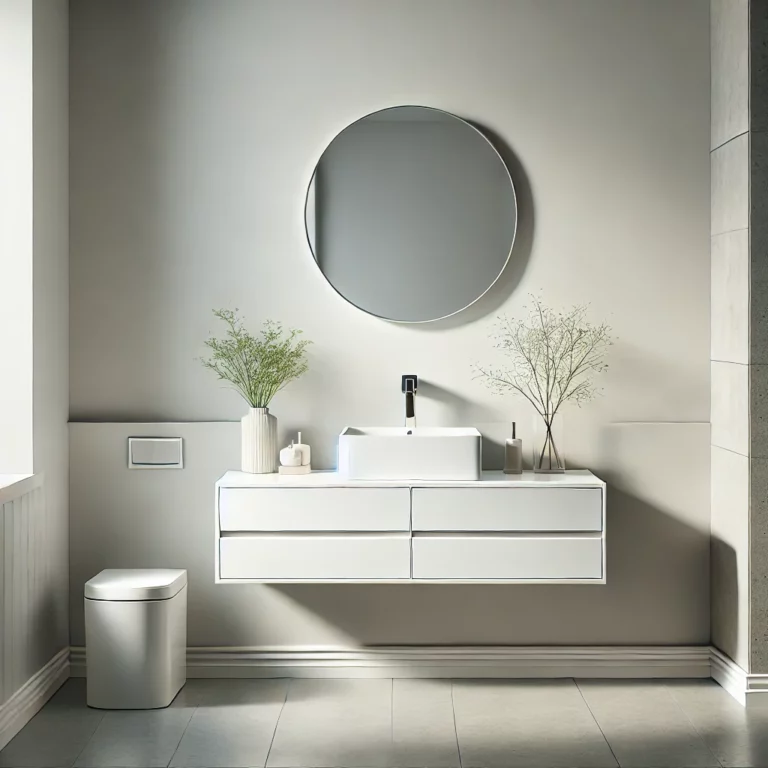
x: 507, y: 509
x: 315, y: 557
x: 507, y: 557
x: 314, y: 509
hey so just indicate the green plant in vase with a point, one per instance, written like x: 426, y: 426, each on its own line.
x: 257, y: 367
x: 552, y: 359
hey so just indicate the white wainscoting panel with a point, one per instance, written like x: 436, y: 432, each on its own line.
x: 23, y: 577
x: 25, y: 587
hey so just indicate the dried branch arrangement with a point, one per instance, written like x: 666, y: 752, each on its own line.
x: 553, y: 358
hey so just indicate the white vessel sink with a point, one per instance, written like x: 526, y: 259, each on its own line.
x: 410, y: 453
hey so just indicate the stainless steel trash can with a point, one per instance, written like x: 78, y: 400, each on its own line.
x: 135, y: 638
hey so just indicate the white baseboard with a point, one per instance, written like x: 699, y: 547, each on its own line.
x: 448, y: 662
x: 30, y: 698
x: 436, y: 662
x: 748, y: 689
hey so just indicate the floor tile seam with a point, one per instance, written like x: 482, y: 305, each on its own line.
x: 186, y: 728
x: 599, y: 727
x: 277, y: 722
x: 455, y: 727
x: 90, y: 738
x: 728, y: 141
x: 392, y: 717
x: 704, y: 741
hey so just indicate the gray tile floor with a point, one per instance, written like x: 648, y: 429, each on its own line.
x: 403, y: 724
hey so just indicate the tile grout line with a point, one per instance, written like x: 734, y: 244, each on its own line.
x: 392, y: 716
x: 713, y: 235
x: 90, y: 739
x: 277, y: 722
x: 731, y: 362
x: 728, y: 141
x: 730, y: 450
x: 186, y: 728
x: 455, y: 729
x: 600, y: 727
x: 692, y: 724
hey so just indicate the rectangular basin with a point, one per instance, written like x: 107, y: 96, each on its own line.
x: 414, y: 453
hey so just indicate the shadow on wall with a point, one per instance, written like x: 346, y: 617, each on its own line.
x: 724, y: 585
x: 657, y: 567
x: 640, y: 536
x: 521, y: 251
x: 658, y: 553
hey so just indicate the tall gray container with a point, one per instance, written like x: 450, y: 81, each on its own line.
x: 135, y: 637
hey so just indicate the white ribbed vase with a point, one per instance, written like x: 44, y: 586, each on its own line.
x: 259, y: 441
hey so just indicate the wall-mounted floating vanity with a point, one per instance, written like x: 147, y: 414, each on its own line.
x: 321, y: 528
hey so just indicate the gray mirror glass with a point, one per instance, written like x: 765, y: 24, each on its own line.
x: 411, y: 214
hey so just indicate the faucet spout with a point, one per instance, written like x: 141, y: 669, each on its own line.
x: 409, y: 387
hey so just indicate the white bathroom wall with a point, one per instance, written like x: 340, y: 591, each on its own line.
x: 34, y: 370
x: 739, y: 144
x: 34, y: 656
x: 51, y: 304
x: 16, y: 237
x: 730, y: 323
x: 195, y: 128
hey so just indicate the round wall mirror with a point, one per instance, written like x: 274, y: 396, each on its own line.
x: 411, y: 214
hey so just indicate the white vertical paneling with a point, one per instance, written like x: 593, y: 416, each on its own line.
x: 39, y: 574
x: 25, y: 581
x: 19, y: 555
x: 7, y: 606
x: 2, y: 602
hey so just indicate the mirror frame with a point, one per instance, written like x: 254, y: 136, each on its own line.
x: 514, y: 230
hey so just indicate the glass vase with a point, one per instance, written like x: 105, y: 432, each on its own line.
x: 548, y: 455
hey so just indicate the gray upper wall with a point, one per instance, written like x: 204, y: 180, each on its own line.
x: 195, y: 128
x: 50, y: 53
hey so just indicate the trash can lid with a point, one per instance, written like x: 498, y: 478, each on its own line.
x: 136, y: 584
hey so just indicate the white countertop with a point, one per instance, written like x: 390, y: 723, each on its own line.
x: 573, y: 478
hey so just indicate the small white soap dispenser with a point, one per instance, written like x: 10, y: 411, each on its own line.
x: 513, y: 454
x: 295, y: 459
x: 290, y: 456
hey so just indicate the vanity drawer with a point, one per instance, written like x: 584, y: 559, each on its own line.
x: 507, y: 557
x: 507, y: 509
x: 314, y: 509
x: 315, y: 557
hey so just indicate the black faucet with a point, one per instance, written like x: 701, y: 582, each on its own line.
x: 410, y: 385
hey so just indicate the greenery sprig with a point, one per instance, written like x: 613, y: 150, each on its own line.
x: 257, y: 367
